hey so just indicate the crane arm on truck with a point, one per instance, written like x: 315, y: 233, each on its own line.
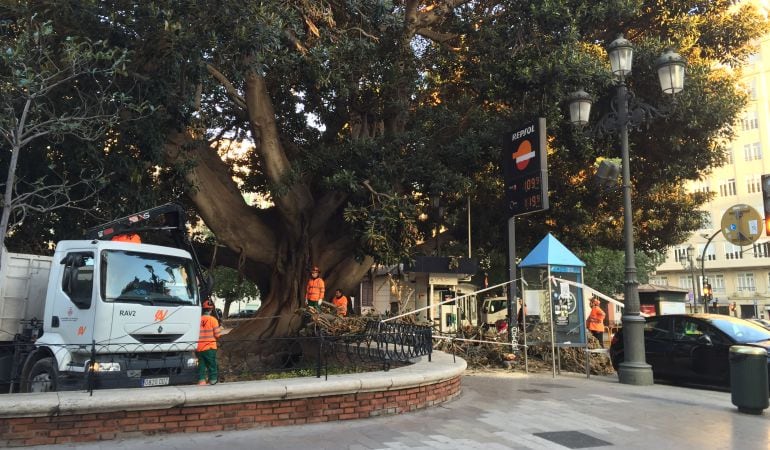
x: 169, y: 217
x: 173, y: 221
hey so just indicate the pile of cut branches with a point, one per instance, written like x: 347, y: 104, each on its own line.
x: 572, y: 359
x: 493, y: 353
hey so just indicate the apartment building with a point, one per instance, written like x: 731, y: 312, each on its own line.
x: 739, y: 275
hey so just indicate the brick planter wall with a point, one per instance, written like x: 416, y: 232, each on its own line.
x: 69, y: 428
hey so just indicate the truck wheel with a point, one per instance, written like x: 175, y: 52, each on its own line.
x: 43, y: 377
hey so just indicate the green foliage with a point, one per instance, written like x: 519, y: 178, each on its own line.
x: 390, y: 120
x: 231, y: 286
x: 605, y: 269
x: 386, y: 227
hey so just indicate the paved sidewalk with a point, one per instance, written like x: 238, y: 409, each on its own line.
x: 515, y: 411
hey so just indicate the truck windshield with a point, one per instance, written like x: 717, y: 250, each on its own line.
x: 133, y: 277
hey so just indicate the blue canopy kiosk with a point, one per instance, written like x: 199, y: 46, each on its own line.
x: 556, y: 302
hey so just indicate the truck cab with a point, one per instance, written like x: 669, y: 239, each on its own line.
x: 106, y: 311
x: 124, y: 314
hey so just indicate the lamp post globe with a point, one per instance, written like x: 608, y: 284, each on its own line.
x: 670, y: 66
x: 621, y: 54
x: 579, y: 107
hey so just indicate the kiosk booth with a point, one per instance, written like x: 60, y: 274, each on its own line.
x: 550, y: 300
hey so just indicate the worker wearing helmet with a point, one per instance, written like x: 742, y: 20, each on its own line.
x: 207, y: 346
x: 315, y: 289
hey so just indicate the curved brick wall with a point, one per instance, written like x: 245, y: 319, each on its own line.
x: 39, y: 419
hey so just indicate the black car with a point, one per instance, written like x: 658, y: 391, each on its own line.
x: 762, y: 322
x: 693, y: 348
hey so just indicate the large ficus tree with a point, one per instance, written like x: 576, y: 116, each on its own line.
x: 356, y: 114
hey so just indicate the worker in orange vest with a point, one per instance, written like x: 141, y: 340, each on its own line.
x: 595, y: 321
x: 315, y: 290
x: 207, y: 346
x: 340, y: 302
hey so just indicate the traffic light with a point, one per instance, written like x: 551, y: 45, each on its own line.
x: 766, y: 201
x: 707, y: 292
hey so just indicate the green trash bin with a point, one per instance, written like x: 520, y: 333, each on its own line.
x: 748, y: 378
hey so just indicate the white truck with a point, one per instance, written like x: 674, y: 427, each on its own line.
x: 493, y: 309
x: 102, y: 313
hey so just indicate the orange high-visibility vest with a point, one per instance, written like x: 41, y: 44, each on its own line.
x: 341, y: 303
x: 315, y: 289
x: 210, y: 332
x: 596, y: 319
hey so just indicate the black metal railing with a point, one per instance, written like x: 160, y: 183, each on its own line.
x: 111, y: 365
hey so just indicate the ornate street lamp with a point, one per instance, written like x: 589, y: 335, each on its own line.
x: 671, y: 67
x: 689, y: 263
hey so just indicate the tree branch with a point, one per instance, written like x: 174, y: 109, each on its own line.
x: 221, y: 204
x: 45, y: 198
x: 229, y: 88
x: 436, y: 36
x: 296, y: 202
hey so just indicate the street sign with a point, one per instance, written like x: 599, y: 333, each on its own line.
x: 525, y: 169
x: 741, y: 225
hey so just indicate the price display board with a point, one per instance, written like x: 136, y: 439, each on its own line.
x: 525, y: 169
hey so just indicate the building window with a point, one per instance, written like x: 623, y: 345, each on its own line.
x: 745, y: 282
x: 717, y: 283
x: 749, y: 121
x: 753, y: 184
x: 728, y: 156
x: 751, y: 89
x: 752, y: 152
x: 680, y: 253
x: 663, y: 281
x: 703, y: 188
x: 761, y: 250
x: 711, y: 254
x: 685, y: 282
x: 727, y: 188
x: 367, y: 293
x: 732, y: 251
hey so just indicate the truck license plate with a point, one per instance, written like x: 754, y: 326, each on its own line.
x: 162, y: 381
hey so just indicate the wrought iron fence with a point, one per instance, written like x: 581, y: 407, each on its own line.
x: 111, y: 365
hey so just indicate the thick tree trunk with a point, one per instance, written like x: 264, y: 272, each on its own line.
x: 280, y: 313
x: 286, y: 256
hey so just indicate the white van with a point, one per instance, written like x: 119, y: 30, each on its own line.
x: 494, y: 309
